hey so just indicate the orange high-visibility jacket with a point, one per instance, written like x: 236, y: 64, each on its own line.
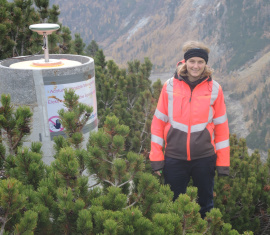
x: 192, y: 125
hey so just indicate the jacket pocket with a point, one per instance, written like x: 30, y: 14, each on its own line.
x: 177, y: 107
x: 166, y: 131
x: 176, y: 144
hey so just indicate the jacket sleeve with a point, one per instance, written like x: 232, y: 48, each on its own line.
x: 221, y: 135
x: 157, y: 131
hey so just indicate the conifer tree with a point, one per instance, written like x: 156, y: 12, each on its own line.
x: 110, y: 88
x: 66, y: 41
x: 27, y: 165
x: 6, y: 43
x: 58, y: 192
x: 128, y: 95
x: 16, y: 39
x: 25, y: 41
x: 142, y: 118
x: 100, y: 61
x: 15, y: 124
x: 243, y: 197
x: 43, y: 9
x: 12, y: 202
x: 107, y: 159
x: 53, y: 14
x: 50, y: 15
x: 74, y: 117
x: 79, y: 45
x: 92, y: 49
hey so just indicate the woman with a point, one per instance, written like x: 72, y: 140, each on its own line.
x: 191, y: 120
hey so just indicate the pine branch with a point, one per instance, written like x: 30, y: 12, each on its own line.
x: 143, y: 130
x: 209, y: 221
x: 93, y: 185
x: 102, y: 101
x: 2, y: 156
x: 2, y: 174
x: 14, y: 146
x: 140, y: 149
x: 107, y: 181
x: 184, y: 226
x: 136, y: 201
x: 3, y: 221
x: 119, y: 186
x: 10, y: 141
x: 131, y: 205
x: 131, y: 102
x: 267, y: 228
x: 83, y: 124
x: 105, y: 160
x: 116, y: 181
x: 109, y: 104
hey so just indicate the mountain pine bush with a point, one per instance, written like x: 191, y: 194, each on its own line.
x: 125, y: 199
x: 244, y: 196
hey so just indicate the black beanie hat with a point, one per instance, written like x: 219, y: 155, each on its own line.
x: 196, y: 52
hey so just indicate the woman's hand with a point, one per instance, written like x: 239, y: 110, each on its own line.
x: 158, y: 173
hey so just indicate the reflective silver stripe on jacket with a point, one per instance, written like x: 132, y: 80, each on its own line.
x: 220, y: 120
x: 161, y: 116
x: 176, y: 125
x: 198, y: 127
x: 222, y: 144
x: 157, y: 139
x: 214, y: 93
x: 170, y: 99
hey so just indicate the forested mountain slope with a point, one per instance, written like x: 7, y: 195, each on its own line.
x: 134, y: 29
x: 252, y: 86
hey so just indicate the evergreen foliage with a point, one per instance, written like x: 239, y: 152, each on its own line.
x: 12, y: 200
x: 107, y: 158
x: 58, y: 199
x: 27, y: 166
x: 127, y: 94
x: 15, y: 124
x: 16, y: 39
x: 16, y: 32
x: 244, y: 198
x: 74, y: 117
x: 66, y: 42
x: 6, y: 43
x: 43, y: 10
x: 92, y: 49
x: 79, y: 45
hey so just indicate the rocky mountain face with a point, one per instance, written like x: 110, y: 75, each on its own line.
x: 238, y: 33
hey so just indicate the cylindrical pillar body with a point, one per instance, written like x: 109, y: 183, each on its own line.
x: 42, y: 90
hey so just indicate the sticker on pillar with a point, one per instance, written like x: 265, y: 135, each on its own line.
x: 55, y: 124
x: 55, y: 100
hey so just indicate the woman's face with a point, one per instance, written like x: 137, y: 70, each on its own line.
x: 195, y: 67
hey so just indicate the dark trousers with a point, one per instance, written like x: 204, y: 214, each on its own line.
x: 177, y: 174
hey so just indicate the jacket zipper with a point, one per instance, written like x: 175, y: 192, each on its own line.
x: 189, y: 128
x: 189, y: 124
